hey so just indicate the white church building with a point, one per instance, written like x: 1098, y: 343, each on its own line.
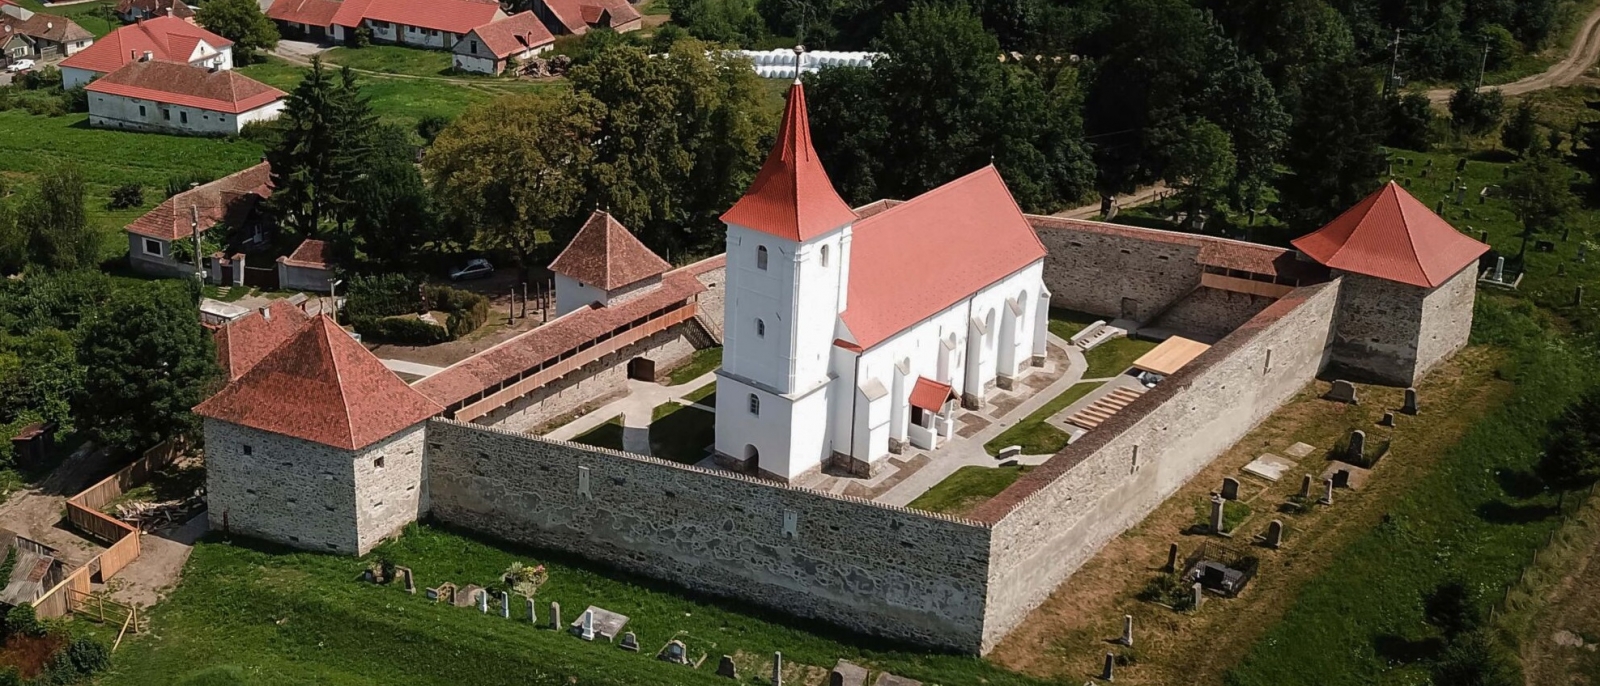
x: 854, y: 334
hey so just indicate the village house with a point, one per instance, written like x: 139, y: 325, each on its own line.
x: 576, y: 17
x: 308, y: 268
x: 416, y: 23
x: 178, y: 98
x: 230, y: 201
x: 163, y: 39
x: 488, y: 49
x: 25, y: 34
x: 134, y: 10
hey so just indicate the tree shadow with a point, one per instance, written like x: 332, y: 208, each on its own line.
x: 1520, y: 483
x: 1501, y: 512
x: 1402, y: 650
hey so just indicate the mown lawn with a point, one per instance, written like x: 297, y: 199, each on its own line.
x: 1033, y: 433
x: 403, y: 101
x: 681, y: 434
x: 393, y: 59
x: 94, y: 17
x: 1478, y: 518
x: 967, y: 488
x: 250, y: 613
x: 704, y: 361
x: 607, y: 435
x: 108, y: 159
x: 1115, y: 356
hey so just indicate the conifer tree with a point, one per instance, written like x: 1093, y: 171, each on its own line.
x: 1333, y: 156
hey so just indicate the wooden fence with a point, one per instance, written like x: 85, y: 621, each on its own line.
x: 83, y: 511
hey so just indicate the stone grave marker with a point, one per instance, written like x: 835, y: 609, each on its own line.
x: 555, y: 614
x: 1388, y: 419
x: 629, y: 642
x: 887, y: 679
x: 1357, y: 450
x: 1274, y: 537
x: 483, y: 601
x: 1199, y: 595
x: 1299, y: 450
x: 1269, y: 467
x: 405, y: 574
x: 505, y: 605
x: 1172, y: 558
x: 586, y: 626
x: 847, y: 674
x: 725, y: 667
x: 1305, y: 487
x: 777, y: 669
x: 1230, y: 488
x: 1341, y: 478
x: 1216, y: 514
x: 533, y: 613
x: 601, y: 623
x: 1111, y: 663
x: 1127, y: 630
x: 674, y: 652
x: 1327, y: 496
x: 1343, y: 392
x: 444, y: 592
x: 1410, y: 406
x: 467, y: 596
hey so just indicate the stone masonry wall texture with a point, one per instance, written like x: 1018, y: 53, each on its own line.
x: 1052, y: 520
x: 1377, y: 333
x: 1211, y: 313
x: 1446, y: 319
x: 1101, y: 273
x: 884, y: 570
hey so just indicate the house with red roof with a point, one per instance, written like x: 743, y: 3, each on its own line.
x: 150, y: 95
x: 134, y: 10
x: 162, y: 39
x: 231, y: 201
x: 489, y: 48
x: 848, y: 338
x: 25, y: 34
x: 604, y: 264
x: 308, y: 268
x: 418, y: 23
x: 576, y: 17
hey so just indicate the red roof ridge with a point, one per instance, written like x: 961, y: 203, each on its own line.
x: 792, y: 197
x: 1391, y: 235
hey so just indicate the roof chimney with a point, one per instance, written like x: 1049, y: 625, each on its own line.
x: 147, y: 56
x: 266, y: 313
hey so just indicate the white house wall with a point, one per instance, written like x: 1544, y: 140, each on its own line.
x: 121, y: 112
x: 72, y: 77
x: 477, y: 64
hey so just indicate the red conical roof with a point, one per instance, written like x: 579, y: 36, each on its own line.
x: 792, y: 197
x: 1393, y: 236
x: 605, y: 253
x: 321, y: 385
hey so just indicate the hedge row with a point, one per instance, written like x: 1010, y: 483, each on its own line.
x: 401, y: 330
x: 377, y: 316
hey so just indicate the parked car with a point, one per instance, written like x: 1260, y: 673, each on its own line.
x: 475, y: 269
x: 20, y: 66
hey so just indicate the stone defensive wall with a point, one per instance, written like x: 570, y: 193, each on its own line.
x: 1054, y: 518
x: 878, y: 569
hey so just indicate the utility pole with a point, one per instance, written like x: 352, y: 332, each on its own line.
x: 1394, y: 64
x: 194, y: 231
x: 1484, y: 65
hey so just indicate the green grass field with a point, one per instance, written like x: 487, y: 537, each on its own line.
x: 967, y: 488
x: 704, y: 361
x: 1115, y: 356
x: 249, y: 613
x: 1033, y: 433
x: 108, y: 159
x: 681, y: 434
x: 403, y: 101
x: 393, y: 59
x: 94, y: 17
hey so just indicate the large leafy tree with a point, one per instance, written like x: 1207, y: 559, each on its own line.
x: 147, y: 361
x: 242, y: 22
x: 393, y: 214
x: 55, y: 222
x: 1334, y: 156
x: 1540, y: 190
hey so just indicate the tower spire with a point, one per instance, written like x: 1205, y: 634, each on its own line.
x: 791, y: 196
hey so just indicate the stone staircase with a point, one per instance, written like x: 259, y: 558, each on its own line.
x: 1097, y: 333
x: 1100, y: 410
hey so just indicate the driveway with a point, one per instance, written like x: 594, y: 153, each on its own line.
x: 299, y: 50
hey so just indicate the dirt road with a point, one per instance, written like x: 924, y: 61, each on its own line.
x: 1583, y: 54
x: 1143, y: 196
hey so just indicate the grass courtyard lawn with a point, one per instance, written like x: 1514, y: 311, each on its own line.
x: 704, y: 361
x: 1033, y: 433
x: 607, y: 435
x: 681, y: 434
x: 968, y: 488
x: 1115, y: 356
x: 108, y: 159
x: 393, y: 59
x: 655, y: 7
x: 1067, y: 323
x: 705, y: 395
x: 249, y: 613
x: 403, y: 101
x: 94, y: 17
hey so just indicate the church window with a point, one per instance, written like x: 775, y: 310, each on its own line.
x: 761, y: 257
x: 761, y: 328
x: 824, y: 255
x: 755, y: 405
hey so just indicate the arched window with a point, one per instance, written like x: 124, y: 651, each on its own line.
x: 824, y: 255
x: 761, y: 257
x: 761, y: 328
x: 755, y: 405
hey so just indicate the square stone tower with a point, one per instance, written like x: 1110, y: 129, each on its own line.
x: 317, y: 446
x: 1408, y: 284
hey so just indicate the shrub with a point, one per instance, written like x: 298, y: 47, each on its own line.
x: 400, y: 330
x: 381, y: 295
x: 1474, y: 659
x: 22, y: 621
x: 126, y: 196
x: 361, y: 37
x: 468, y: 310
x: 1452, y: 607
x: 10, y: 677
x: 428, y: 127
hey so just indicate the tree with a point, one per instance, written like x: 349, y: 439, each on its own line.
x: 242, y: 22
x: 393, y: 212
x: 1475, y: 113
x: 1202, y: 168
x: 1453, y: 608
x: 326, y: 132
x: 721, y: 21
x: 1333, y: 156
x: 1521, y: 133
x: 13, y: 241
x: 515, y: 169
x: 1571, y: 458
x: 147, y: 361
x: 1473, y: 659
x: 1540, y: 191
x: 1410, y: 122
x: 56, y: 222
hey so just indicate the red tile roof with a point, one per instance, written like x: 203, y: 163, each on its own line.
x: 952, y: 242
x: 322, y: 386
x: 1391, y: 235
x: 455, y: 16
x: 308, y: 12
x: 792, y: 197
x: 169, y: 39
x: 506, y: 360
x: 222, y: 90
x: 514, y: 34
x: 605, y: 254
x: 310, y: 254
x: 244, y: 341
x: 46, y: 27
x: 231, y: 198
x: 930, y: 395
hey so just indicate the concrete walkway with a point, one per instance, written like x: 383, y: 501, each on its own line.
x: 412, y: 368
x: 637, y: 410
x: 960, y: 452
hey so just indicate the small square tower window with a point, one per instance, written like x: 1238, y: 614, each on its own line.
x: 755, y: 405
x: 377, y: 463
x: 761, y: 328
x: 248, y: 450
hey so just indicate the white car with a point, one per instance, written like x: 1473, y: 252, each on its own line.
x: 20, y: 66
x: 476, y: 269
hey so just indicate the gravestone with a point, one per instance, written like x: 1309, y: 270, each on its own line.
x: 505, y: 605
x: 1305, y: 487
x: 847, y: 674
x: 599, y: 622
x: 1341, y: 478
x: 1327, y: 495
x: 1544, y: 246
x: 725, y: 667
x: 1299, y: 450
x: 1461, y: 194
x: 1438, y: 208
x: 1111, y: 662
x: 1172, y: 557
x: 483, y: 601
x: 1212, y: 575
x: 1461, y: 165
x: 1216, y: 514
x: 405, y: 574
x: 467, y: 596
x: 1358, y: 447
x: 777, y: 669
x: 1561, y: 269
x: 586, y: 626
x: 1127, y: 630
x: 1343, y: 392
x: 629, y: 642
x: 1274, y: 534
x: 1388, y: 419
x: 1230, y: 488
x: 444, y: 592
x: 887, y: 679
x: 533, y: 613
x: 555, y: 614
x: 1198, y: 595
x: 1577, y: 296
x: 1410, y: 406
x: 674, y: 652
